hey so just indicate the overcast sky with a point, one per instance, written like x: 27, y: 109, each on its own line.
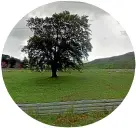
x: 108, y: 37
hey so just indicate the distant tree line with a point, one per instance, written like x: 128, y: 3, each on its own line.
x: 12, y: 62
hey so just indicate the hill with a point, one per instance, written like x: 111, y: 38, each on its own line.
x: 125, y: 61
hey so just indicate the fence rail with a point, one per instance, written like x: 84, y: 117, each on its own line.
x: 82, y: 106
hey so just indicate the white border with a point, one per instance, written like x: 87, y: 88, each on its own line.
x: 11, y: 11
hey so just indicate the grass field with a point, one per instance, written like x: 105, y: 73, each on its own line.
x: 69, y: 119
x: 26, y: 86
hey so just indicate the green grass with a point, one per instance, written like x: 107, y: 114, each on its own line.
x: 26, y: 86
x: 70, y: 119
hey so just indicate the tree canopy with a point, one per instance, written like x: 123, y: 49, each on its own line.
x: 61, y: 41
x: 25, y: 63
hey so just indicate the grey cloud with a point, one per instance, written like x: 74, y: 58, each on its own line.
x: 20, y: 33
x: 74, y: 7
x: 108, y: 37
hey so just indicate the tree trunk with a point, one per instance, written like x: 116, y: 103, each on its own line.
x: 54, y: 70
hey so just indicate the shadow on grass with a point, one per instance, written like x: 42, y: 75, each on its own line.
x: 61, y: 79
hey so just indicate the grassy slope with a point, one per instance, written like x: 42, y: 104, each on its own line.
x: 126, y: 61
x: 34, y: 87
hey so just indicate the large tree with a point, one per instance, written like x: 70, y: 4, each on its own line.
x: 61, y: 41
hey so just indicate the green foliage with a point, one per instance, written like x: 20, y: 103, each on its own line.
x: 61, y: 41
x: 25, y: 63
x: 11, y: 61
x: 5, y: 57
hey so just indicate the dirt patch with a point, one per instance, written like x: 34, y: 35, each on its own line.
x: 67, y: 98
x: 70, y: 119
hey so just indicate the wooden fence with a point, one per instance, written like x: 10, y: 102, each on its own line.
x: 82, y: 106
